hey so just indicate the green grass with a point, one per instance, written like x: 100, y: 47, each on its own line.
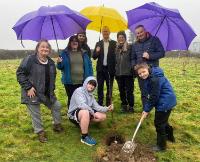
x: 18, y: 143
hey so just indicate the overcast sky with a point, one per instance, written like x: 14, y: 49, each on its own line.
x: 12, y: 10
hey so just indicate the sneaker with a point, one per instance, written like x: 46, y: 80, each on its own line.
x: 58, y: 128
x: 88, y: 141
x: 42, y: 137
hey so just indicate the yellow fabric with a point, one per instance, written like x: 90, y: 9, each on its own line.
x: 108, y: 16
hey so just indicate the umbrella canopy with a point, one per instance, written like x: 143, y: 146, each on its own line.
x: 103, y: 16
x: 51, y: 23
x: 167, y: 24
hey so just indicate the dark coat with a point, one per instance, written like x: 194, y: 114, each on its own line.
x: 31, y: 73
x: 123, y: 61
x: 110, y: 57
x: 158, y: 92
x: 86, y: 48
x: 65, y: 67
x: 153, y: 46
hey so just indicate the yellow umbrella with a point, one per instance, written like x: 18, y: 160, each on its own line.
x: 104, y: 16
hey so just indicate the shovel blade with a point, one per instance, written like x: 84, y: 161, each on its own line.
x: 129, y: 147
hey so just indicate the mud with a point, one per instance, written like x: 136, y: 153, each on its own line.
x: 113, y: 152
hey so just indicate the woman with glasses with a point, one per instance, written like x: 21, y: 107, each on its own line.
x: 75, y: 66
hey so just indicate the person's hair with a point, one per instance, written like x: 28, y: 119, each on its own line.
x: 121, y: 33
x: 71, y: 39
x: 139, y: 26
x: 85, y: 42
x: 105, y: 28
x: 141, y: 66
x: 39, y: 43
x: 93, y: 82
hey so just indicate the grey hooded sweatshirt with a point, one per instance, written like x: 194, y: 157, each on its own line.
x: 82, y: 99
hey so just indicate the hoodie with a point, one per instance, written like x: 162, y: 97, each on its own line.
x: 158, y: 92
x: 82, y: 99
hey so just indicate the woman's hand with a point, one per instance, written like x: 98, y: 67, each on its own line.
x: 31, y: 92
x: 98, y: 49
x: 59, y: 59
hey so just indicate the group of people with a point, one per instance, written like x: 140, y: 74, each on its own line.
x: 120, y: 60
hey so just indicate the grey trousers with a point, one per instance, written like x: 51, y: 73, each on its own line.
x: 34, y: 111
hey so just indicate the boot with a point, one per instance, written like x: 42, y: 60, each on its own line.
x: 123, y: 108
x: 58, y: 128
x: 170, y: 135
x: 42, y: 137
x: 157, y: 148
x: 130, y: 109
x: 161, y: 143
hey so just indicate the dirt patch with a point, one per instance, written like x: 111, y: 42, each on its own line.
x: 114, y: 153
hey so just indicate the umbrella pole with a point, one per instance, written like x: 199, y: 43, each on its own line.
x: 160, y: 25
x: 100, y: 27
x: 55, y: 34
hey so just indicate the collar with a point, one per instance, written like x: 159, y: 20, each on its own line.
x: 108, y: 40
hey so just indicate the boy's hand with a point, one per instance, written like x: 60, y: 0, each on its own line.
x: 145, y: 114
x: 110, y: 107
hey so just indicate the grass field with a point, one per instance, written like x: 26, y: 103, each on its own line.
x: 18, y: 143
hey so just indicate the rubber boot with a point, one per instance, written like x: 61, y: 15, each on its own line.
x: 161, y: 143
x: 170, y: 135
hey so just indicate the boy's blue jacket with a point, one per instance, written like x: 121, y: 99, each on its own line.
x: 158, y: 92
x: 65, y: 66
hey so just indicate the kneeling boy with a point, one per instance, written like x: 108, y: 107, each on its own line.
x: 83, y: 109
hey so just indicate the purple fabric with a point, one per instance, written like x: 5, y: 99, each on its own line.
x: 37, y: 25
x: 167, y: 24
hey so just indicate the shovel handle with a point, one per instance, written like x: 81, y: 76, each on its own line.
x: 138, y: 126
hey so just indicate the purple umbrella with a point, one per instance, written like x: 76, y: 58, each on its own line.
x: 167, y: 24
x: 51, y: 23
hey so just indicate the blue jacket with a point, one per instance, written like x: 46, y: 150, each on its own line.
x: 65, y: 67
x: 158, y: 92
x: 153, y: 46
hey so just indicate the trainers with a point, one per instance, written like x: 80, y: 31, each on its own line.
x: 88, y: 141
x: 58, y: 128
x: 42, y: 137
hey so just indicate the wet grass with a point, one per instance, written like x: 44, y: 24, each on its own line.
x: 18, y: 143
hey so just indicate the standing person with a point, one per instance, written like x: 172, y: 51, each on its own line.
x: 75, y: 66
x: 84, y: 109
x: 82, y: 38
x: 104, y: 51
x: 36, y: 75
x: 148, y: 49
x: 159, y: 94
x: 124, y: 73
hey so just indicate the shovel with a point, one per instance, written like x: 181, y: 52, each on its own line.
x: 130, y: 146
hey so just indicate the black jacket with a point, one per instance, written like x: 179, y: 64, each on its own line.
x: 153, y: 46
x: 110, y: 56
x: 31, y: 73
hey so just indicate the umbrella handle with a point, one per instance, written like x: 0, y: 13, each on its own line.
x: 138, y: 126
